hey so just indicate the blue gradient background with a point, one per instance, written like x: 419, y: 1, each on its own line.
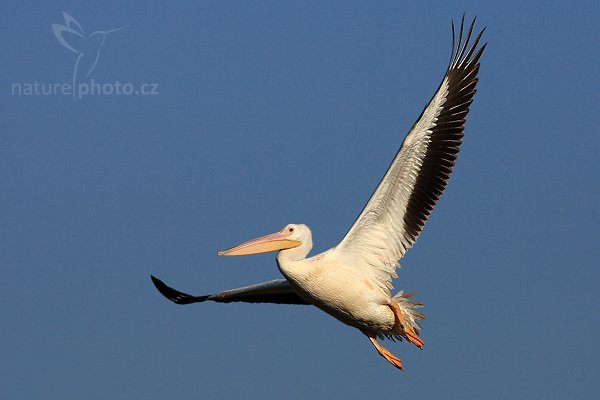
x: 275, y: 112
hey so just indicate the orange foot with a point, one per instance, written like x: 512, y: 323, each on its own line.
x: 385, y: 353
x: 408, y: 332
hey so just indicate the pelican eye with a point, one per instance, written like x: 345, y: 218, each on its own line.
x: 290, y: 230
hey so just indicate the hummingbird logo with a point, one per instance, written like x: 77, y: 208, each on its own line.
x: 87, y: 47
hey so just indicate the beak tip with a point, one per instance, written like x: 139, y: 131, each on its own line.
x: 220, y: 253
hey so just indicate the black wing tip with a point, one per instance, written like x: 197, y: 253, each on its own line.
x: 458, y: 57
x: 175, y: 296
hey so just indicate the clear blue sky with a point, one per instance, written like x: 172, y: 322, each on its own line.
x: 268, y: 113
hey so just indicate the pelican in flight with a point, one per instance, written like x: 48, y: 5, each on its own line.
x: 353, y: 281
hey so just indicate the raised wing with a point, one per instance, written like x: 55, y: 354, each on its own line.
x: 70, y: 38
x: 398, y: 209
x: 276, y: 291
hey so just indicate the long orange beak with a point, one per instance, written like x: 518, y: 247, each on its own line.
x: 275, y: 241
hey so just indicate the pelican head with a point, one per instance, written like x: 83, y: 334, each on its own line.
x: 295, y: 240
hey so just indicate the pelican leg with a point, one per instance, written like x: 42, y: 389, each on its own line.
x: 383, y: 352
x: 408, y: 332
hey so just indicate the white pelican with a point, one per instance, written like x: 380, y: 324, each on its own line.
x: 352, y: 281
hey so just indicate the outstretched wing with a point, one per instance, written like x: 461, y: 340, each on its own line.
x: 396, y: 213
x: 277, y: 291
